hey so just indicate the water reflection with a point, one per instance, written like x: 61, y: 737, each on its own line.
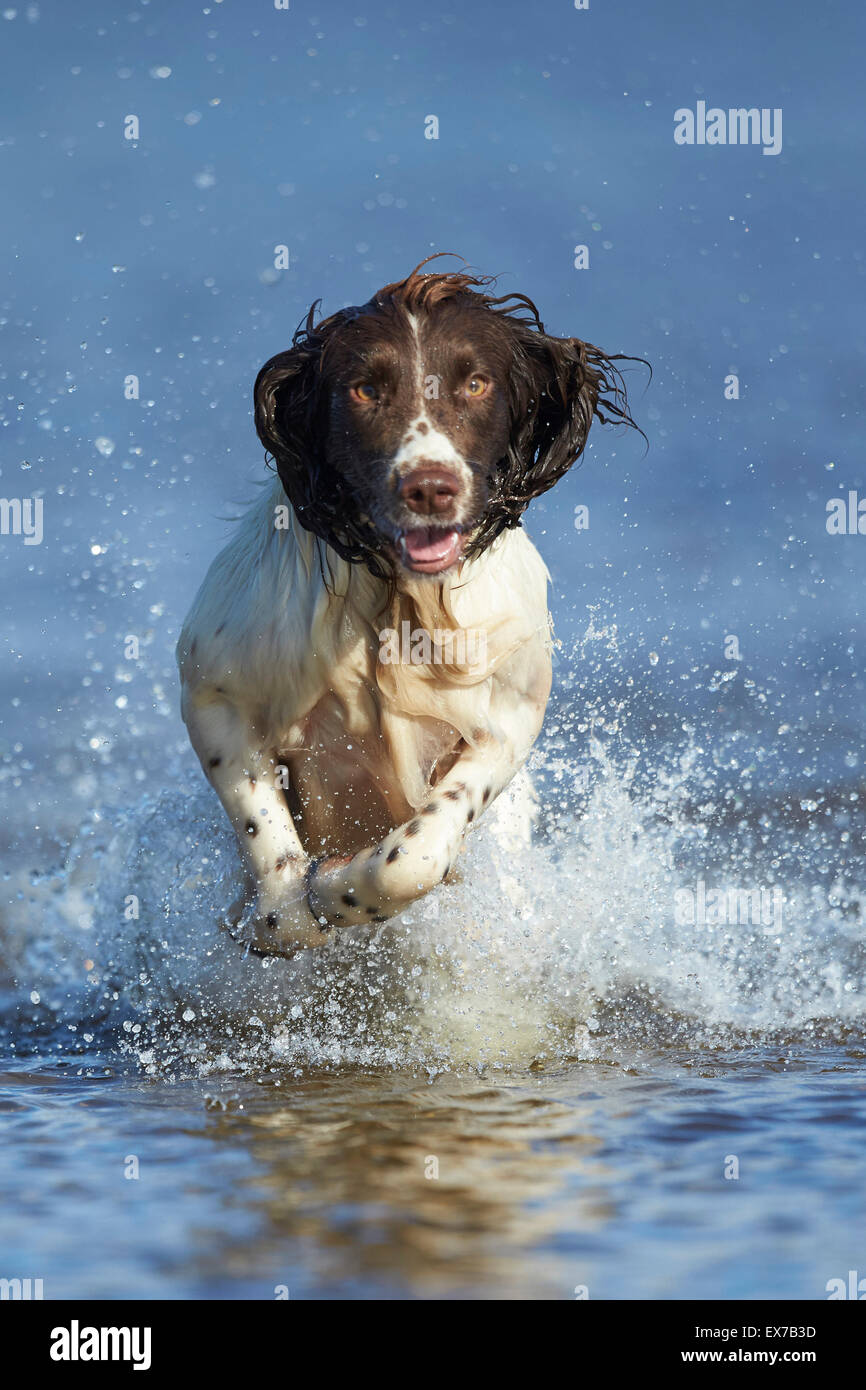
x: 423, y: 1189
x: 612, y: 1176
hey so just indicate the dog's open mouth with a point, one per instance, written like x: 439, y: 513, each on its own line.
x: 430, y: 549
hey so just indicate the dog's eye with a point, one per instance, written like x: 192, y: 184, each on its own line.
x: 365, y: 392
x: 476, y: 386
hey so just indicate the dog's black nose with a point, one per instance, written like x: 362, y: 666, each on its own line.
x: 430, y: 491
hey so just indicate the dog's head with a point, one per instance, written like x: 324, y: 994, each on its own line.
x: 412, y: 430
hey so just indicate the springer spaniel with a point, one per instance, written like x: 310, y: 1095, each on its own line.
x: 328, y: 688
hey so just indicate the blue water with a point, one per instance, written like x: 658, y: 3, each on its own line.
x: 581, y: 1062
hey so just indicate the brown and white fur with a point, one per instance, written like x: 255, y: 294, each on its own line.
x: 409, y: 435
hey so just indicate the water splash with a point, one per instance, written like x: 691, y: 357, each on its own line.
x: 571, y: 942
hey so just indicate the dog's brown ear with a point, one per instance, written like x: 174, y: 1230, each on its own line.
x: 287, y: 402
x: 568, y: 384
x: 558, y: 387
x: 291, y: 414
x: 275, y: 408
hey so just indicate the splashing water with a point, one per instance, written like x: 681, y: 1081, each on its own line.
x: 591, y: 937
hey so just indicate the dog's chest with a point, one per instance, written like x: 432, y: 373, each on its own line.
x: 357, y: 760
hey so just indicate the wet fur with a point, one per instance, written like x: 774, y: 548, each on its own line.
x: 351, y: 783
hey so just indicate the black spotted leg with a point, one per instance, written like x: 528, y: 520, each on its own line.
x: 413, y: 858
x: 244, y: 777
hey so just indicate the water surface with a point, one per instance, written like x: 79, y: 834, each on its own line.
x: 583, y: 1062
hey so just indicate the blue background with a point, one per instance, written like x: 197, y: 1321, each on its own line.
x: 306, y: 128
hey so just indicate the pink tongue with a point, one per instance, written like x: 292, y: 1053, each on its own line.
x: 426, y: 544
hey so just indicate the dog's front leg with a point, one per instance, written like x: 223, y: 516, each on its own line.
x: 244, y: 775
x: 413, y: 858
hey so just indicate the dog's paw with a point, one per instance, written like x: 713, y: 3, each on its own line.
x: 343, y: 892
x: 276, y: 923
